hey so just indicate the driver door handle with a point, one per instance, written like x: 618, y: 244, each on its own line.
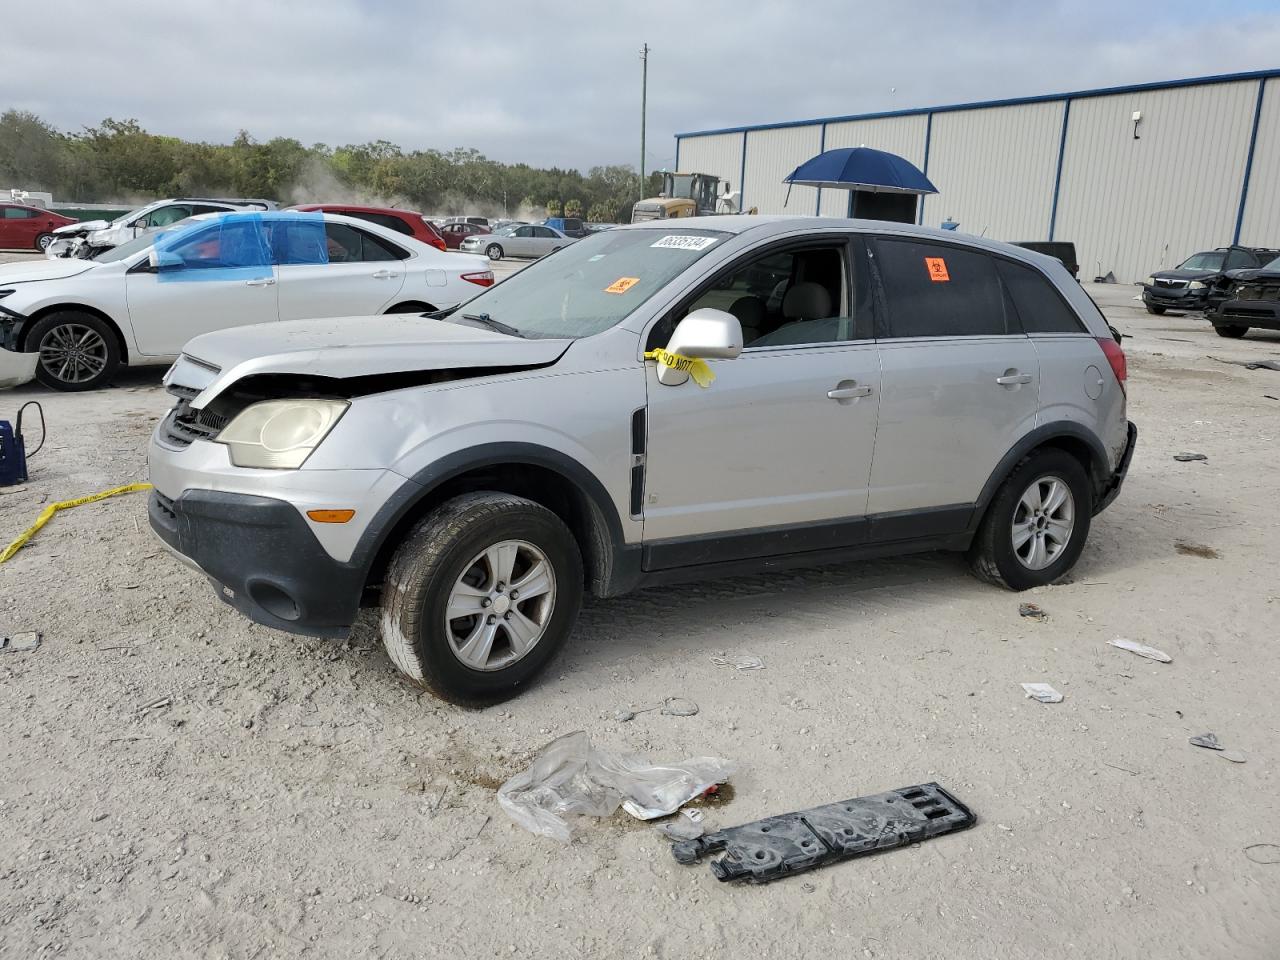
x: 264, y: 282
x: 849, y: 392
x: 384, y: 275
x: 1010, y: 379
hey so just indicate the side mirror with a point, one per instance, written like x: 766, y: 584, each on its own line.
x: 707, y: 334
x: 164, y: 261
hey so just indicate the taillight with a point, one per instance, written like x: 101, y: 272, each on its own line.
x: 1115, y: 357
x: 485, y: 279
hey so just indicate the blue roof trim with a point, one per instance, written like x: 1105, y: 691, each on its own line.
x: 1011, y: 102
x: 1248, y: 163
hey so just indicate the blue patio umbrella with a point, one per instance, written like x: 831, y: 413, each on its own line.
x: 861, y: 168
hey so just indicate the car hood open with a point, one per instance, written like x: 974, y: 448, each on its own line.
x: 59, y: 268
x: 349, y: 347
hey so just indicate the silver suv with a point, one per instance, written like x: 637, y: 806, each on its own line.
x: 657, y: 402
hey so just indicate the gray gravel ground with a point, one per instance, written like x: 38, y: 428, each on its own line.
x: 181, y: 783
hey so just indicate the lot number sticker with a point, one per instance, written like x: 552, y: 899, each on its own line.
x: 937, y: 268
x: 622, y: 285
x: 685, y: 243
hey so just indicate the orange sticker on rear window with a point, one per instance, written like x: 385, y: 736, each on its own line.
x: 622, y: 285
x: 937, y: 268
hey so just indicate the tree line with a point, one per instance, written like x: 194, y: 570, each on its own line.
x: 118, y: 161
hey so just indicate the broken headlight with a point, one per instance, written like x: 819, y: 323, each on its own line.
x: 280, y: 434
x: 1197, y: 285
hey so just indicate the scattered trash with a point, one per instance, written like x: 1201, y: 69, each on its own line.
x: 20, y: 642
x: 1208, y: 740
x: 1251, y: 364
x: 1267, y: 852
x: 570, y: 777
x: 1032, y: 610
x: 1042, y: 692
x: 776, y: 847
x: 670, y: 707
x: 1188, y: 457
x: 1141, y: 649
x: 1196, y: 550
x: 744, y: 661
x: 1235, y: 756
x: 688, y: 825
x: 47, y: 514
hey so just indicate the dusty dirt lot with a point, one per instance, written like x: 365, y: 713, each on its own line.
x: 181, y: 783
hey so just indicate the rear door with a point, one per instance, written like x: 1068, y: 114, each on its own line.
x: 960, y: 384
x: 357, y: 274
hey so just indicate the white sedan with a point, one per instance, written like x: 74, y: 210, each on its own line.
x: 141, y: 301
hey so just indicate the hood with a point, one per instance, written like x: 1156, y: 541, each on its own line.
x: 56, y: 269
x: 84, y: 226
x: 1252, y: 273
x: 1184, y: 274
x: 347, y: 347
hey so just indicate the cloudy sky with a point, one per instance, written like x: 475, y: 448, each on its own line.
x: 550, y: 82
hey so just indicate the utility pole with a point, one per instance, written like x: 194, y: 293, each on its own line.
x: 644, y: 104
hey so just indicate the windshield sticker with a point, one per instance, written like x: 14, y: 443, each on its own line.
x: 685, y: 243
x: 937, y: 268
x: 622, y: 285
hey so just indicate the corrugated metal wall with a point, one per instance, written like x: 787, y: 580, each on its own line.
x: 1261, y: 224
x: 901, y: 135
x: 771, y: 155
x: 720, y: 154
x: 1131, y: 206
x: 995, y: 169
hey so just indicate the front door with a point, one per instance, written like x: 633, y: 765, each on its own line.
x: 775, y: 455
x: 961, y: 384
x: 356, y: 275
x: 209, y: 279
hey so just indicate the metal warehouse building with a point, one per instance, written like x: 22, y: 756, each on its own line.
x: 1200, y: 167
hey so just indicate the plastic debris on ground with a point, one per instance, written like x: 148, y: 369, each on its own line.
x: 1235, y: 756
x: 1141, y: 649
x: 1263, y: 852
x: 1251, y: 364
x: 1042, y: 692
x: 792, y: 843
x: 670, y: 707
x: 687, y: 825
x: 1207, y: 740
x: 572, y: 778
x: 20, y: 642
x: 743, y: 661
x: 1034, y: 611
x: 1188, y: 457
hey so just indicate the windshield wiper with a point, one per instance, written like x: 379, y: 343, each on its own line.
x: 492, y: 324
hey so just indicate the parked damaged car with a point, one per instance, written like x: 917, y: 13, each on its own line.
x: 1187, y: 286
x: 88, y: 238
x: 638, y: 409
x: 1245, y: 299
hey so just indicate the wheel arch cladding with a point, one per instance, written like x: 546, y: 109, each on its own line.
x: 540, y: 474
x: 44, y: 312
x: 1072, y: 438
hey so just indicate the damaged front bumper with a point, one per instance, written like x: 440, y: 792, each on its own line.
x: 16, y: 367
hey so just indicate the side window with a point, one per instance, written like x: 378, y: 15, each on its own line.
x: 169, y: 215
x: 525, y: 232
x: 198, y: 208
x: 224, y: 245
x: 1239, y: 259
x: 395, y: 223
x: 546, y: 233
x: 14, y: 213
x: 1040, y: 307
x: 375, y: 249
x: 782, y: 298
x: 938, y: 290
x: 343, y: 242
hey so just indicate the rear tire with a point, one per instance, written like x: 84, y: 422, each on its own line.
x: 494, y: 252
x: 1233, y: 331
x: 1158, y: 311
x: 78, y: 351
x: 1004, y: 552
x: 452, y: 617
x: 43, y: 241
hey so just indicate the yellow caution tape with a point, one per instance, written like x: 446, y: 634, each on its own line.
x: 696, y: 367
x: 47, y: 514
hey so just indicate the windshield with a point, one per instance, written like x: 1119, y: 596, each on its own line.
x: 1273, y: 265
x: 1204, y: 261
x: 592, y: 285
x: 126, y: 249
x: 679, y: 185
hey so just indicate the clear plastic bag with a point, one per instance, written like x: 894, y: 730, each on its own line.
x: 573, y: 778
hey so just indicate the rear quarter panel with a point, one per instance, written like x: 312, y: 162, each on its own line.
x: 1073, y: 369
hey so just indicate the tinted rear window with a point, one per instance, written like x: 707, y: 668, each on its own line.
x: 1039, y: 305
x: 936, y: 290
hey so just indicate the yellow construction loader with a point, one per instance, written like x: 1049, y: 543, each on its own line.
x: 686, y: 195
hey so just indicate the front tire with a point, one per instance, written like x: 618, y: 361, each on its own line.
x: 494, y: 252
x: 1233, y: 331
x: 78, y: 351
x: 1158, y: 311
x: 1036, y: 526
x: 481, y: 596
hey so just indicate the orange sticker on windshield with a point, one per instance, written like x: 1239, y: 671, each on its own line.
x: 622, y: 285
x: 937, y: 268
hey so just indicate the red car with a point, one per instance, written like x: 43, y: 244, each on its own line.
x: 28, y: 228
x: 455, y: 233
x: 408, y: 222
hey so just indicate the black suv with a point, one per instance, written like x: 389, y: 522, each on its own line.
x: 1187, y: 286
x: 1245, y: 298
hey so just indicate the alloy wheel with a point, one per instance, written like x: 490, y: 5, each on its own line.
x: 73, y: 353
x: 1043, y: 522
x: 500, y: 606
